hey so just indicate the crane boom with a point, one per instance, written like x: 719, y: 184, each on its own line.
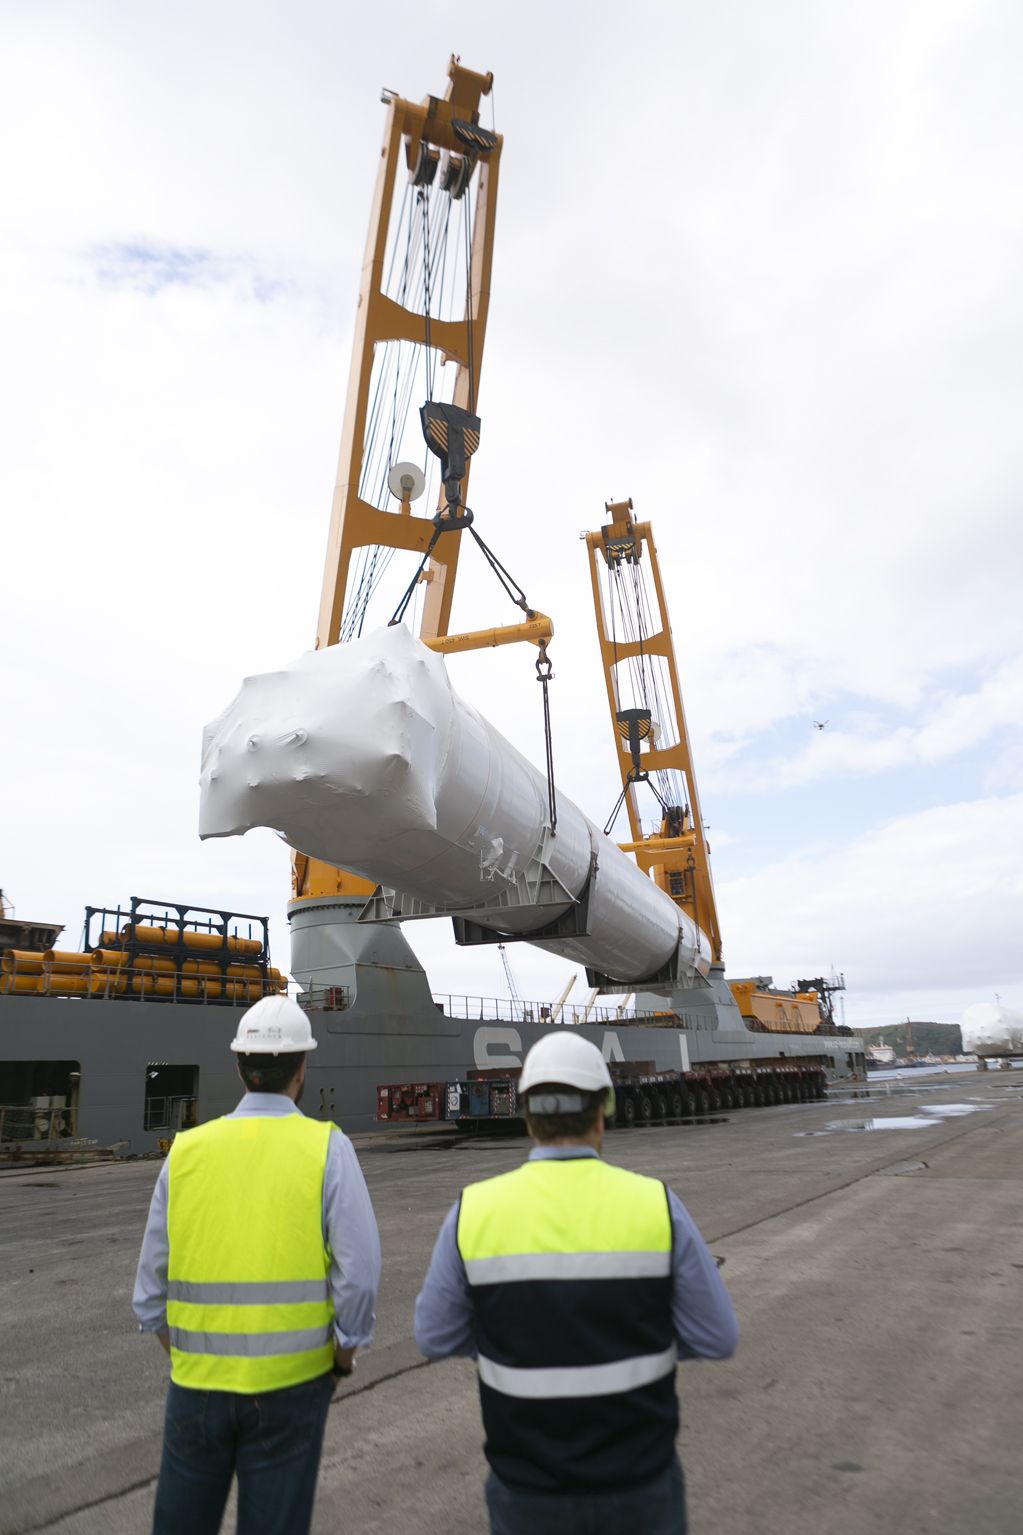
x: 400, y: 327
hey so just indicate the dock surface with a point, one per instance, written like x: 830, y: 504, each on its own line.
x: 877, y: 1273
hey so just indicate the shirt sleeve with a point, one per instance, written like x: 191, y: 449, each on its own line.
x: 705, y: 1322
x: 149, y: 1300
x: 444, y: 1320
x: 350, y: 1233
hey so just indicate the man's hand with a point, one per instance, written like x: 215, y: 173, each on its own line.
x: 164, y: 1341
x: 344, y: 1361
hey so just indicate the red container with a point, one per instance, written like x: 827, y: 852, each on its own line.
x: 404, y: 1101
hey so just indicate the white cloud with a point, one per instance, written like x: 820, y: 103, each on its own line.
x: 774, y: 296
x: 925, y: 907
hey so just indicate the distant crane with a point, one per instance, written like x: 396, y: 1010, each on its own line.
x: 513, y: 990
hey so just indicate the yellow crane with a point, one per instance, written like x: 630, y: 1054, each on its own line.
x: 421, y: 323
x: 653, y: 748
x: 651, y: 737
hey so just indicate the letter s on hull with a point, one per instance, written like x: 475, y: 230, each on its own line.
x: 487, y: 1037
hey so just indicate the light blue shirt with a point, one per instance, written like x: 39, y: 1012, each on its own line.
x: 701, y: 1308
x: 349, y: 1233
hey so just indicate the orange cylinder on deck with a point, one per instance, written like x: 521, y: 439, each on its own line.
x: 60, y: 983
x: 243, y: 991
x: 22, y: 962
x: 108, y: 959
x: 67, y: 959
x: 155, y: 962
x: 209, y: 942
x: 108, y: 983
x: 201, y: 967
x: 9, y: 982
x: 153, y: 986
x: 245, y: 972
x: 109, y: 939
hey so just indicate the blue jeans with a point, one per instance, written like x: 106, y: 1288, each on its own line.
x: 272, y: 1442
x: 657, y: 1507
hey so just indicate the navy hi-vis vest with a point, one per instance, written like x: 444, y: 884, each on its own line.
x: 569, y: 1268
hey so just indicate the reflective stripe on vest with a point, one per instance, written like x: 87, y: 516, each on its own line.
x: 570, y: 1273
x: 579, y: 1380
x: 248, y: 1299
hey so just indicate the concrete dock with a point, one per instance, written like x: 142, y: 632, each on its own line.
x: 877, y: 1272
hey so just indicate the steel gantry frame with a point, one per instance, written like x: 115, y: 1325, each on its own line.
x: 678, y: 856
x: 437, y: 127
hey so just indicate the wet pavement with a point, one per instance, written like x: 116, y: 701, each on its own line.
x: 878, y: 1278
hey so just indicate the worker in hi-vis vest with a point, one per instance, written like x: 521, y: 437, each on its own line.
x: 259, y: 1274
x: 576, y: 1285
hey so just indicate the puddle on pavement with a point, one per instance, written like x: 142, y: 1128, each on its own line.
x: 930, y: 1114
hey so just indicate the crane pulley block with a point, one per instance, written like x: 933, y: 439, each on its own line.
x: 453, y: 434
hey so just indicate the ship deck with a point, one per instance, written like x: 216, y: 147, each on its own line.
x: 876, y: 1274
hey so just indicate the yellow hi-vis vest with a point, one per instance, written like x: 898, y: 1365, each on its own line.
x: 570, y: 1274
x: 248, y: 1297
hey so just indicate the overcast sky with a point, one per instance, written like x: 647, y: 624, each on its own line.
x: 757, y: 266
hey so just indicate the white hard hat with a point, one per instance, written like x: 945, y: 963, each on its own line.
x: 274, y: 1026
x: 565, y: 1058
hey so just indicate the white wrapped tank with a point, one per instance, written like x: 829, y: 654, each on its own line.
x: 364, y: 756
x: 990, y: 1029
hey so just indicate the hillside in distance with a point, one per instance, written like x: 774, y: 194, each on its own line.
x: 917, y: 1038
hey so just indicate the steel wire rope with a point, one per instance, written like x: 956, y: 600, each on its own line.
x: 436, y: 255
x: 469, y: 318
x: 375, y: 466
x: 425, y: 199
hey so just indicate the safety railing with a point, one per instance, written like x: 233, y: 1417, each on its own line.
x: 506, y: 1010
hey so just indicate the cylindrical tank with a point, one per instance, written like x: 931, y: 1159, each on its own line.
x: 19, y: 983
x: 22, y: 962
x: 364, y: 756
x: 60, y: 983
x: 153, y: 986
x: 209, y: 942
x: 67, y: 960
x: 108, y: 983
x: 989, y: 1029
x: 108, y: 959
x: 155, y: 962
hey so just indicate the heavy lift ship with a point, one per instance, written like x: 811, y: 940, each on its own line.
x: 420, y: 328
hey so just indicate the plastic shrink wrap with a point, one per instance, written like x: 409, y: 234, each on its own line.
x: 990, y: 1029
x: 364, y: 756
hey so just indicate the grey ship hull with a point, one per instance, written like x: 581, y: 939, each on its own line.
x: 113, y: 1044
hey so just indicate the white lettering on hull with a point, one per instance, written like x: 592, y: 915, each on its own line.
x: 490, y: 1037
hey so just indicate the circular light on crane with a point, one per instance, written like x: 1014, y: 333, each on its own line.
x: 406, y: 482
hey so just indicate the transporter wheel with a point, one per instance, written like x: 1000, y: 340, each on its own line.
x: 688, y: 1106
x: 661, y: 1105
x: 804, y: 1091
x: 703, y: 1101
x: 759, y: 1096
x: 729, y: 1099
x: 626, y: 1115
x: 821, y: 1088
x: 646, y: 1108
x: 676, y: 1105
x: 770, y: 1095
x: 749, y: 1095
